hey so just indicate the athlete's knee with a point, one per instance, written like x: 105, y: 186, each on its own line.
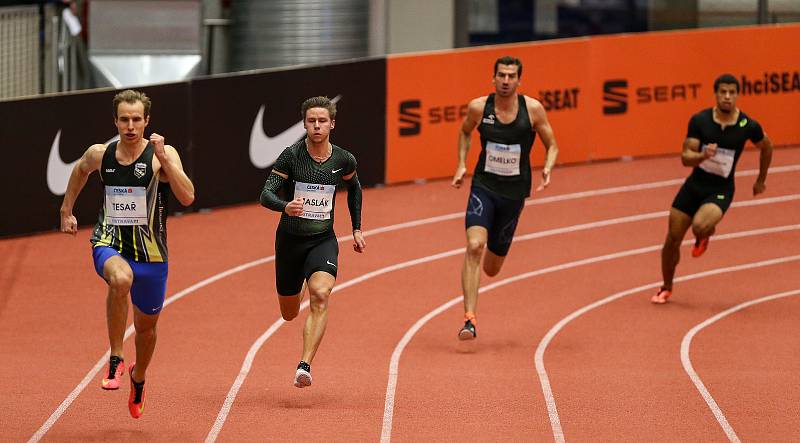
x: 318, y: 296
x: 702, y: 228
x: 120, y: 281
x: 475, y: 246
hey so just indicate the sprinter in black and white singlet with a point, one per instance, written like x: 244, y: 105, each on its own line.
x: 714, y: 143
x: 306, y: 250
x: 508, y: 123
x: 129, y: 242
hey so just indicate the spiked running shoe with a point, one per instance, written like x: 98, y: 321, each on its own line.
x: 468, y: 331
x: 661, y: 297
x: 699, y: 247
x: 116, y: 369
x: 302, y: 377
x: 136, y: 398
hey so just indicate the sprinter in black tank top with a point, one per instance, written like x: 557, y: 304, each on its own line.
x: 306, y: 174
x: 508, y: 123
x: 714, y: 142
x: 129, y: 241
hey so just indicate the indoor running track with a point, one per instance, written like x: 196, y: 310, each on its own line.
x: 569, y: 347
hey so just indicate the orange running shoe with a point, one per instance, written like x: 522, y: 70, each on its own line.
x: 468, y: 331
x: 661, y: 297
x: 136, y: 398
x: 699, y: 247
x: 116, y: 369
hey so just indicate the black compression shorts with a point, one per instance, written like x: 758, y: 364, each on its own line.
x: 692, y: 195
x: 297, y: 257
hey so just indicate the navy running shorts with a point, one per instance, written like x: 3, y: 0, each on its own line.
x: 297, y: 257
x: 149, y: 279
x: 692, y: 195
x: 498, y: 214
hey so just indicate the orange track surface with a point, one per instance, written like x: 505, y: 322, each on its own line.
x: 615, y: 371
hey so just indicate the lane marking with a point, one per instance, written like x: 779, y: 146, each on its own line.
x: 686, y: 343
x: 203, y: 283
x: 395, y: 360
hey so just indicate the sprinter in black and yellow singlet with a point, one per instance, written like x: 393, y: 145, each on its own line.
x: 714, y: 143
x: 129, y: 242
x: 306, y: 250
x: 508, y: 123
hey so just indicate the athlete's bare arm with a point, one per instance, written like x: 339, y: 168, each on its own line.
x: 691, y: 155
x: 89, y: 162
x: 542, y: 127
x: 172, y: 167
x: 473, y: 118
x: 765, y: 146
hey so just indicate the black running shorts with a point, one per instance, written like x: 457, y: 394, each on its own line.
x: 498, y: 214
x: 297, y: 257
x: 692, y: 195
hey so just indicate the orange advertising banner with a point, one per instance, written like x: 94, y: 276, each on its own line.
x: 606, y: 97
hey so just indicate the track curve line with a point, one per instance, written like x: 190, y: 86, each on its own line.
x: 686, y: 361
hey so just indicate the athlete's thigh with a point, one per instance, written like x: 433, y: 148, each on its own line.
x: 679, y: 223
x: 480, y: 208
x: 290, y: 254
x: 322, y: 257
x: 108, y: 263
x: 149, y: 287
x: 501, y: 234
x: 708, y: 215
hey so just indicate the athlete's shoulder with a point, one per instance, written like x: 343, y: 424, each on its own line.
x: 746, y: 120
x: 532, y: 103
x: 478, y: 102
x: 340, y: 151
x: 705, y: 114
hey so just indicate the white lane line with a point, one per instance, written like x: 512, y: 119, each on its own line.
x: 552, y: 411
x: 251, y: 353
x: 577, y: 195
x: 605, y: 191
x: 395, y: 361
x: 686, y: 343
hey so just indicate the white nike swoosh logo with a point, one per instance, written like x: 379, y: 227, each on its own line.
x: 336, y: 170
x: 264, y: 150
x: 58, y: 171
x: 328, y: 262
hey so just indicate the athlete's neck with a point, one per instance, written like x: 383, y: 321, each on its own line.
x: 507, y: 103
x: 319, y: 151
x: 130, y: 150
x: 725, y: 118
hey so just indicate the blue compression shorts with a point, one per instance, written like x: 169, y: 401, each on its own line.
x: 149, y: 279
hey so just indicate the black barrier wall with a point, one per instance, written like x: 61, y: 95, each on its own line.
x: 43, y: 137
x: 228, y: 131
x: 242, y: 123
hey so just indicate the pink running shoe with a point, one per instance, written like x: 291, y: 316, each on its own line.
x: 661, y: 297
x: 136, y: 397
x: 116, y: 368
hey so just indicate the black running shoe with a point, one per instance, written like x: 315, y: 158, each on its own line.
x: 468, y: 331
x: 302, y: 377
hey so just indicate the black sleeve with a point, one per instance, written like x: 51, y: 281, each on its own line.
x: 269, y: 195
x: 694, y: 128
x: 354, y: 201
x: 756, y: 132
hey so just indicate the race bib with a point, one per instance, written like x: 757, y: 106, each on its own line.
x: 317, y: 200
x: 720, y: 164
x: 502, y: 159
x: 126, y: 205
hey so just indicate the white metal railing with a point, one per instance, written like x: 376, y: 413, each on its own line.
x: 19, y: 51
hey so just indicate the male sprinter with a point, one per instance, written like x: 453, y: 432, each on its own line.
x: 306, y: 250
x: 129, y: 242
x: 508, y: 123
x: 714, y: 142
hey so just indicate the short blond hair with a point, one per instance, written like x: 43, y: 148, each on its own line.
x: 131, y: 96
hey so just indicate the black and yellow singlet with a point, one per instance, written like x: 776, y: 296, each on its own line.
x: 504, y: 164
x: 133, y: 218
